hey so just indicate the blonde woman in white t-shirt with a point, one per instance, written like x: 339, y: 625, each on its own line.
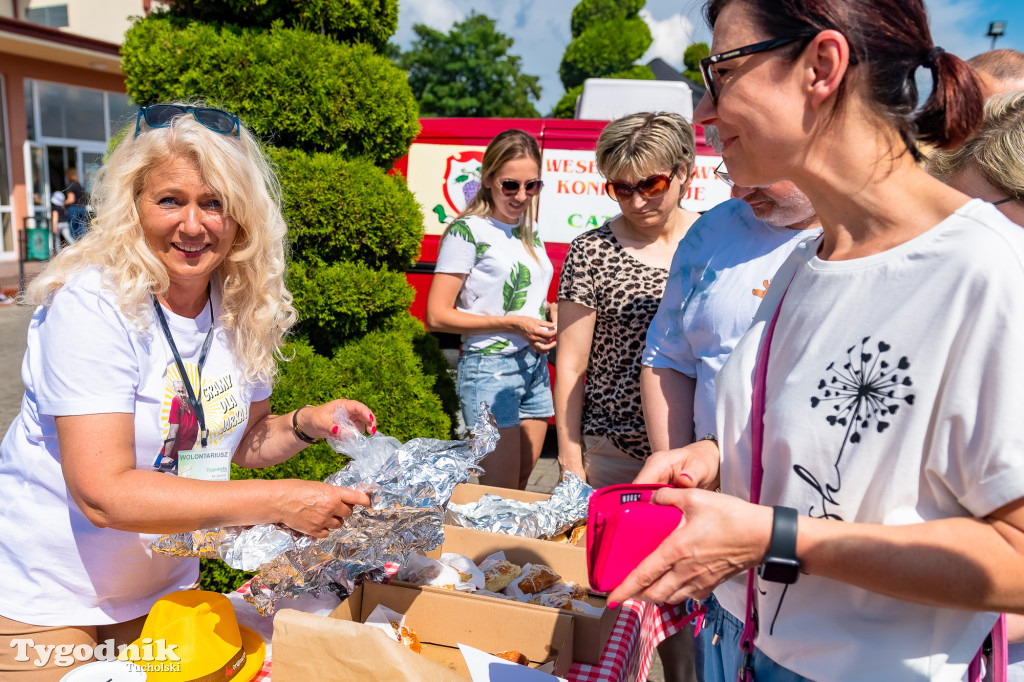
x: 491, y: 285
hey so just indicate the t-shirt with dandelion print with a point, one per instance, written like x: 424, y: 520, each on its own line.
x: 502, y: 277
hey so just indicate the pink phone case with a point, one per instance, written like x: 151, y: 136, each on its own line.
x: 623, y: 527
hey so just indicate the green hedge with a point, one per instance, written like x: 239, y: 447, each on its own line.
x: 566, y: 107
x: 338, y: 209
x: 297, y: 88
x: 604, y: 49
x: 338, y: 301
x: 348, y: 21
x: 590, y: 12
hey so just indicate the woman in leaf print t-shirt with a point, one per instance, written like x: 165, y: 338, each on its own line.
x: 490, y: 285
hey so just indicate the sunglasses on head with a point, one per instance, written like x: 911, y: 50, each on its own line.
x: 161, y: 115
x: 511, y: 187
x: 649, y: 188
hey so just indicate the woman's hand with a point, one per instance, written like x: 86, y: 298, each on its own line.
x: 317, y: 508
x: 539, y: 333
x: 569, y: 464
x: 719, y: 536
x: 693, y: 466
x: 318, y: 421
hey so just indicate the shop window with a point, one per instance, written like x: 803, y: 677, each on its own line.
x: 71, y: 113
x: 122, y: 111
x: 54, y: 16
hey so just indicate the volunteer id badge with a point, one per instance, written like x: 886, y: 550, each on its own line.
x: 205, y: 464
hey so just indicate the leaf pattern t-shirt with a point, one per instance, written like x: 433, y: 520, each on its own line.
x: 502, y: 278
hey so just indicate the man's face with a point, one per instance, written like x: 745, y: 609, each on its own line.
x: 780, y: 204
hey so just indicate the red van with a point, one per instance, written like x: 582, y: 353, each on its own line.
x: 443, y: 164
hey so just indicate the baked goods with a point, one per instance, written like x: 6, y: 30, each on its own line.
x: 579, y: 536
x: 499, y: 574
x: 537, y: 577
x: 514, y: 656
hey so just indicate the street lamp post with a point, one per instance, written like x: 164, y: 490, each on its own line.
x: 996, y: 29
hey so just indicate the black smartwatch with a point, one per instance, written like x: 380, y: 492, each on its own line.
x: 780, y: 564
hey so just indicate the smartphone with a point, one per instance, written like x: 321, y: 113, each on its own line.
x: 623, y: 527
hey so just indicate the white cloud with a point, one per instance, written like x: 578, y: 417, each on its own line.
x: 670, y: 36
x: 953, y: 24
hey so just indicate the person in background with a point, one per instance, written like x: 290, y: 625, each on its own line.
x: 180, y: 279
x: 718, y: 278
x: 491, y: 285
x: 58, y: 219
x: 887, y: 522
x: 999, y: 71
x: 990, y: 166
x: 612, y: 281
x: 76, y: 206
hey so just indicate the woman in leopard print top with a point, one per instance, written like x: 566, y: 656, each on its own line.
x: 611, y: 284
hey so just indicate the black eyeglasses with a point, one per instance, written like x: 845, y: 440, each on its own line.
x: 649, y: 188
x: 511, y: 187
x: 746, y: 50
x: 161, y: 115
x: 723, y: 174
x: 1003, y: 201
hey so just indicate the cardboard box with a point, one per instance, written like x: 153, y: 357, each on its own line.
x: 590, y: 632
x: 308, y: 648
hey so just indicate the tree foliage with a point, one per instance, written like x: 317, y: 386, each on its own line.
x: 469, y: 72
x: 348, y: 21
x: 609, y: 36
x: 297, y: 88
x: 691, y: 61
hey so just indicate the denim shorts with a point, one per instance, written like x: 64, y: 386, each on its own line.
x: 717, y: 650
x: 516, y: 386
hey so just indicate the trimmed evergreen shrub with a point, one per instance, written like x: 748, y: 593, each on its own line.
x: 297, y: 88
x: 603, y: 49
x: 338, y: 301
x: 349, y: 21
x: 338, y: 209
x: 590, y: 12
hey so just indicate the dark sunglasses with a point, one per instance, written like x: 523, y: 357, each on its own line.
x: 161, y: 115
x: 511, y: 187
x: 649, y: 187
x: 1003, y: 201
x: 746, y: 50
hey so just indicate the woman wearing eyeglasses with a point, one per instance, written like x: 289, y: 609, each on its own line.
x: 871, y: 515
x: 491, y: 286
x: 178, y: 283
x: 611, y: 284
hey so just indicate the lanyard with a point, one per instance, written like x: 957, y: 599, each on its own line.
x: 197, y: 405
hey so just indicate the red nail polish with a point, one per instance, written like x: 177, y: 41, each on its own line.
x: 373, y: 430
x: 688, y: 476
x: 613, y: 604
x: 335, y: 430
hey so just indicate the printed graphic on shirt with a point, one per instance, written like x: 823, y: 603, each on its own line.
x: 761, y: 292
x: 516, y: 288
x: 222, y: 408
x: 867, y: 390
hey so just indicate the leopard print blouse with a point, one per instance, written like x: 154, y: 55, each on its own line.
x: 598, y: 273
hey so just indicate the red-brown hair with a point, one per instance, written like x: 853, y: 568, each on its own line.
x: 889, y: 40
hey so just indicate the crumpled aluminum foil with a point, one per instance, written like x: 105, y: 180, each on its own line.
x: 409, y: 486
x: 544, y: 519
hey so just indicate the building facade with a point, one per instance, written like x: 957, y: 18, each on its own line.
x: 62, y: 98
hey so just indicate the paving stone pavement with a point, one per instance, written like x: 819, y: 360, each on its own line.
x: 14, y: 320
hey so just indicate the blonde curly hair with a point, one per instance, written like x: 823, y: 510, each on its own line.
x: 256, y: 308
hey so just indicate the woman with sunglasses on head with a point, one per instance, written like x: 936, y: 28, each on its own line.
x: 612, y: 281
x: 869, y: 441
x: 491, y: 285
x: 180, y: 280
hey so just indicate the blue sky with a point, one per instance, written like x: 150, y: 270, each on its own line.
x: 541, y: 28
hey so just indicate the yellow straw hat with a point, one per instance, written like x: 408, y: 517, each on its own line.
x: 193, y: 636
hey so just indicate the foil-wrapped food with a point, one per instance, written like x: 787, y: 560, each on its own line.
x: 409, y: 485
x: 544, y: 519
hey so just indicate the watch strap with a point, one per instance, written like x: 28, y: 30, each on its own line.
x: 780, y: 564
x: 299, y: 433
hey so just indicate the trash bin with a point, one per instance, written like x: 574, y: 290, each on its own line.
x: 37, y: 244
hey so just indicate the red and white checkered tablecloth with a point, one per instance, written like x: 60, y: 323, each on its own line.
x: 627, y: 655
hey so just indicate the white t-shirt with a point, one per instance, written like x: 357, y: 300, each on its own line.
x: 892, y: 398
x: 502, y: 277
x: 85, y: 357
x: 719, y: 274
